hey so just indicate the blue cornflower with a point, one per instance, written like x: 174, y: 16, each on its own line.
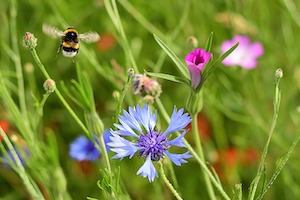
x: 83, y: 149
x: 152, y: 145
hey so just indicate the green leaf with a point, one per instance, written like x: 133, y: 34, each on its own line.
x: 69, y: 94
x: 209, y: 42
x: 169, y: 77
x: 86, y: 87
x: 210, y: 68
x: 91, y: 198
x: 237, y: 192
x: 180, y: 66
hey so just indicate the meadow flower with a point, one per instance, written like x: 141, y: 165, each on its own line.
x: 145, y: 87
x: 139, y: 124
x: 83, y: 149
x: 196, y: 60
x: 246, y: 53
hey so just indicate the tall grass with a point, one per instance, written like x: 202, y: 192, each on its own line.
x: 245, y: 143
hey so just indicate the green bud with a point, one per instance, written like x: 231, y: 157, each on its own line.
x: 195, y: 102
x: 95, y: 124
x: 29, y: 40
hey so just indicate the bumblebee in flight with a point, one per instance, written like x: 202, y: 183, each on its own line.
x: 70, y: 39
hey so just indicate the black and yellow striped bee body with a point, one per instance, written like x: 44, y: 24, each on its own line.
x: 69, y: 43
x: 70, y: 39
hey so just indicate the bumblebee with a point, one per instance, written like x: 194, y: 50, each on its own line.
x: 70, y: 39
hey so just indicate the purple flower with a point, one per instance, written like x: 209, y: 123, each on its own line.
x: 83, y: 149
x: 245, y: 54
x: 151, y: 144
x: 196, y: 60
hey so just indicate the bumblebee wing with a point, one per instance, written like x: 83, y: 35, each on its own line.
x: 52, y: 31
x: 89, y: 37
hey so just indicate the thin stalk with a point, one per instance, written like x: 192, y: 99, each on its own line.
x: 167, y: 182
x: 113, y: 12
x: 17, y: 59
x: 121, y: 99
x: 57, y: 92
x: 200, y: 153
x: 31, y: 188
x: 194, y: 154
x: 277, y: 98
x: 173, y: 176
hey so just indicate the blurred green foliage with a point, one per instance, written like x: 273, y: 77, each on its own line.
x: 238, y: 105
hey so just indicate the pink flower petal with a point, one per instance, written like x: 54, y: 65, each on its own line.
x: 245, y: 55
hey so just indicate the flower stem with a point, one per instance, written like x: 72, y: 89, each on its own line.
x: 255, y: 182
x: 173, y: 176
x: 200, y: 153
x: 196, y: 156
x: 167, y: 182
x: 57, y: 92
x: 16, y: 164
x: 121, y: 99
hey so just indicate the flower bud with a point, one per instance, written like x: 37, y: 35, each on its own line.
x: 49, y: 85
x: 130, y: 71
x: 195, y: 104
x: 279, y: 73
x: 29, y: 40
x: 28, y: 67
x: 196, y: 61
x: 192, y: 41
x: 145, y: 87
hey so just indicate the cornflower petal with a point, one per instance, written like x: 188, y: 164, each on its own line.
x: 148, y: 170
x: 178, y: 121
x: 131, y: 121
x: 151, y: 144
x: 122, y: 131
x: 84, y: 149
x: 125, y: 128
x: 178, y: 141
x: 145, y: 117
x: 121, y: 146
x: 177, y: 159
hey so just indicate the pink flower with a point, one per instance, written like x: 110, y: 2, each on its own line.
x: 196, y: 60
x: 245, y: 54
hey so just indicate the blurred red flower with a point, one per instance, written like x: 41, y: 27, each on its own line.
x: 106, y: 43
x: 5, y: 127
x: 227, y: 161
x: 203, y: 126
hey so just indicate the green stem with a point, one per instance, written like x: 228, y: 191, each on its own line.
x: 194, y: 154
x: 113, y: 12
x: 31, y: 188
x: 207, y: 171
x: 121, y: 99
x: 167, y: 182
x: 200, y: 153
x: 173, y: 176
x: 17, y: 59
x: 57, y: 92
x: 255, y: 182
